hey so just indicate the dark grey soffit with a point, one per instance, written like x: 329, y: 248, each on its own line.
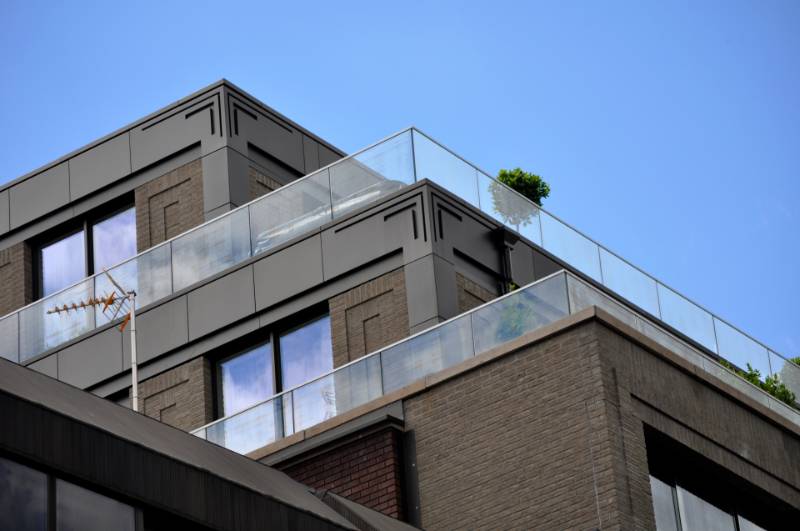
x: 364, y: 518
x: 122, y: 423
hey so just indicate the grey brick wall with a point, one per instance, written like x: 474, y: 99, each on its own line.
x: 181, y: 397
x: 369, y: 317
x: 169, y: 204
x: 471, y: 294
x: 261, y: 184
x: 16, y: 277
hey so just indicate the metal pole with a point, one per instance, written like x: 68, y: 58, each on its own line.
x: 134, y: 368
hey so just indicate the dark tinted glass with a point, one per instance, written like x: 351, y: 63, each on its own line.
x: 114, y: 239
x: 23, y: 497
x: 247, y: 379
x: 63, y: 263
x: 78, y: 509
x: 306, y: 352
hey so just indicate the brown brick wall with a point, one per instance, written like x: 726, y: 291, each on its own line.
x: 261, y: 184
x: 525, y: 442
x: 369, y: 317
x: 471, y: 294
x: 16, y: 277
x: 366, y: 470
x: 181, y: 397
x: 169, y: 205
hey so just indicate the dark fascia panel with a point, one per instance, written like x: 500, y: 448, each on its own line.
x: 83, y: 435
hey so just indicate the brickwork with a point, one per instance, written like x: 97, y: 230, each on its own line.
x: 366, y: 470
x: 181, y: 397
x: 169, y: 205
x: 523, y: 443
x: 261, y: 184
x: 471, y: 294
x: 16, y: 277
x: 369, y: 317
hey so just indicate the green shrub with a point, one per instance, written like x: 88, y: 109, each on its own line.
x: 770, y: 384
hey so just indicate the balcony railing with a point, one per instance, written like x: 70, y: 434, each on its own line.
x: 445, y: 345
x: 333, y: 191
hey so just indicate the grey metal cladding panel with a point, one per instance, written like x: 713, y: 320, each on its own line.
x: 216, y: 188
x: 288, y: 272
x: 92, y: 360
x: 100, y: 166
x: 376, y: 233
x: 48, y: 366
x: 4, y: 214
x: 267, y: 132
x: 221, y: 302
x: 311, y: 154
x: 522, y: 264
x: 420, y: 278
x: 39, y: 195
x: 170, y: 133
x: 158, y: 330
x: 327, y: 156
x: 543, y: 266
x: 456, y: 228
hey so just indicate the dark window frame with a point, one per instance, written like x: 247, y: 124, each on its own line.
x: 82, y: 223
x: 250, y: 342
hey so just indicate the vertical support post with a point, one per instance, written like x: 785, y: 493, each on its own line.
x: 134, y: 367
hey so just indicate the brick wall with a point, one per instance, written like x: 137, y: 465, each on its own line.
x: 369, y: 317
x: 169, y: 205
x: 261, y: 184
x: 366, y: 470
x: 522, y: 443
x: 16, y: 277
x: 181, y: 397
x: 471, y: 294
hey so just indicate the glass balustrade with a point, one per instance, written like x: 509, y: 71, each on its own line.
x: 344, y: 187
x: 481, y: 330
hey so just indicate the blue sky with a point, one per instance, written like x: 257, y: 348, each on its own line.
x: 669, y: 131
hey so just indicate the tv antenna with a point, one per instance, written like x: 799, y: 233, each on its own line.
x: 118, y: 303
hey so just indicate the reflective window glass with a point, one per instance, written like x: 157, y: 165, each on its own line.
x: 247, y: 379
x: 663, y: 505
x: 23, y: 497
x: 699, y: 515
x: 306, y: 352
x: 63, y: 263
x: 114, y: 239
x: 79, y: 509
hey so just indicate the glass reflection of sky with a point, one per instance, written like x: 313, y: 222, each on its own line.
x: 306, y: 352
x: 114, y: 239
x: 63, y: 263
x: 23, y: 497
x: 247, y: 379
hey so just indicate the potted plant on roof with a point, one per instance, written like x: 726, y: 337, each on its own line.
x: 514, y: 211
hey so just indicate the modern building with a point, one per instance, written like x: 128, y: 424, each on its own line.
x: 354, y: 322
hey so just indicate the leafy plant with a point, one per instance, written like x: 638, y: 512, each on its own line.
x: 514, y: 211
x: 770, y: 384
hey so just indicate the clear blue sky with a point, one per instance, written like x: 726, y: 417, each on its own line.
x: 669, y: 131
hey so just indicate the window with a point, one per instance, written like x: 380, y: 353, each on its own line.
x: 290, y: 358
x: 97, y: 243
x: 23, y: 497
x: 29, y: 498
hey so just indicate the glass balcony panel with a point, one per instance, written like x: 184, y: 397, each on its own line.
x: 629, y: 282
x: 357, y: 384
x: 435, y: 163
x: 9, y: 337
x: 290, y: 211
x: 582, y: 296
x: 571, y: 246
x: 787, y: 372
x: 520, y: 313
x: 251, y: 429
x: 686, y: 317
x: 314, y: 402
x: 201, y: 433
x: 40, y: 331
x: 379, y: 171
x: 509, y: 208
x: 210, y: 249
x: 426, y: 354
x: 149, y: 274
x: 740, y: 350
